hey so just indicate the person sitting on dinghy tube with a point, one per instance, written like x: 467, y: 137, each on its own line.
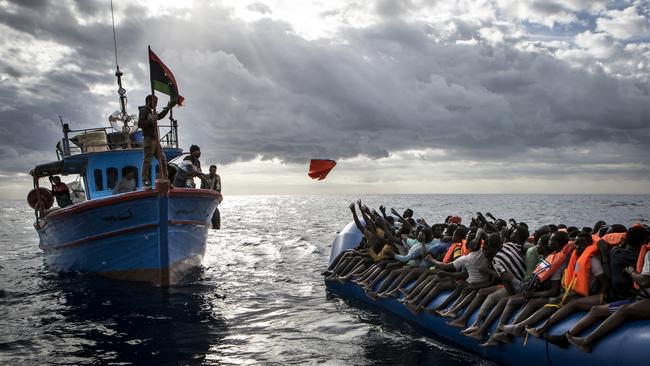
x: 635, y: 307
x: 585, y: 285
x: 545, y: 283
x: 351, y: 262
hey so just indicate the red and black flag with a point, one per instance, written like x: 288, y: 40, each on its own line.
x: 162, y: 78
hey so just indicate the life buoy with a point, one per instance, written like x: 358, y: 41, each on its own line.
x: 46, y: 199
x: 578, y: 271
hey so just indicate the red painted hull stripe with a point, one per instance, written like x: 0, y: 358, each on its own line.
x: 126, y: 197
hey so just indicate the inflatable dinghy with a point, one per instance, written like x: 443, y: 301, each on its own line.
x: 625, y: 346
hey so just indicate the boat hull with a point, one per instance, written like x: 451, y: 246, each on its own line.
x: 625, y: 346
x: 154, y: 236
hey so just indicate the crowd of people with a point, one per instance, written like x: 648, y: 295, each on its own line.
x: 503, y: 268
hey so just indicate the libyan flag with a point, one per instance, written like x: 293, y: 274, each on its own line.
x: 162, y: 78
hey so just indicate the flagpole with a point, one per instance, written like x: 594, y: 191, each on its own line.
x: 163, y: 167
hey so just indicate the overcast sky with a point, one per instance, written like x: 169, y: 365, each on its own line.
x: 485, y: 96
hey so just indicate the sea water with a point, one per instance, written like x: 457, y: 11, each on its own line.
x: 259, y: 298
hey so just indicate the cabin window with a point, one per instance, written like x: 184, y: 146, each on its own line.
x: 126, y: 169
x: 111, y: 178
x: 99, y: 180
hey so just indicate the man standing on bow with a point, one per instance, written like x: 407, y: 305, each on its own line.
x: 151, y: 147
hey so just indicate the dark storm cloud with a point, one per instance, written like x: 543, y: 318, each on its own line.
x: 259, y: 89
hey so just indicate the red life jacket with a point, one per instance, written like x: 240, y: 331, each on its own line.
x: 578, y: 272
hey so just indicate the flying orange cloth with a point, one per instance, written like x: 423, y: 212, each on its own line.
x: 319, y: 168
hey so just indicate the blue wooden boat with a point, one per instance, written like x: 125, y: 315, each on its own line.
x: 625, y: 346
x: 155, y: 235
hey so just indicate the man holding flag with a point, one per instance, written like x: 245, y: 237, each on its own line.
x: 163, y: 81
x: 151, y: 145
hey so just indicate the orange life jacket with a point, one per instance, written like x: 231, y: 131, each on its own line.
x: 464, y: 249
x: 552, y: 263
x: 613, y: 239
x: 595, y: 238
x: 449, y: 255
x: 577, y: 274
x: 640, y: 260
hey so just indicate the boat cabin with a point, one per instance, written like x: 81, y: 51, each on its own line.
x: 101, y: 157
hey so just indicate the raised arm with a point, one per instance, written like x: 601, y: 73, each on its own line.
x: 355, y: 217
x: 401, y: 219
x: 369, y: 223
x: 382, y: 209
x: 422, y: 222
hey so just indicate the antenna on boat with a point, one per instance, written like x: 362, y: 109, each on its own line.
x: 123, y: 116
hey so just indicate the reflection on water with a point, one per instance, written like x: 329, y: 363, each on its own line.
x: 95, y: 320
x: 258, y: 299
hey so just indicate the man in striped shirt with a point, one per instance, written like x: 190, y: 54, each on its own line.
x: 509, y: 265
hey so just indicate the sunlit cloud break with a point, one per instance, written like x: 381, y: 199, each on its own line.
x: 409, y: 96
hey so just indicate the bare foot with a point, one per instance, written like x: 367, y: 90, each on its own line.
x: 474, y: 335
x: 470, y: 329
x: 440, y: 312
x: 514, y: 330
x: 371, y: 294
x: 490, y: 343
x: 501, y: 337
x: 392, y: 293
x: 450, y: 314
x: 458, y: 323
x: 579, y: 342
x: 536, y: 332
